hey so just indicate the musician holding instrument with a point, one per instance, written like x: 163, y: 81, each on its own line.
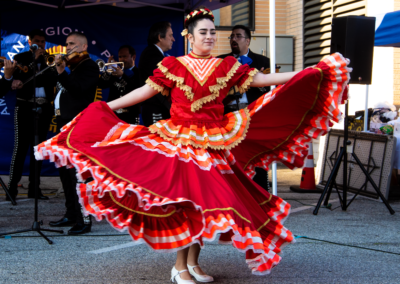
x: 24, y: 114
x: 122, y: 81
x: 75, y: 91
x: 240, y: 42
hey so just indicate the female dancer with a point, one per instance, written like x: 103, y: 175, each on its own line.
x: 176, y: 184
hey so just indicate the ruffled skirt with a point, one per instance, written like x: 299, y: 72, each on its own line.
x: 171, y: 196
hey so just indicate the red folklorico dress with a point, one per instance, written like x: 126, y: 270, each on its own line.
x: 186, y: 180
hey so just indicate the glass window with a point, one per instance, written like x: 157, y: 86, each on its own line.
x: 241, y: 13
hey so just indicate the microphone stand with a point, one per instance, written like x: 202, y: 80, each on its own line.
x: 36, y: 224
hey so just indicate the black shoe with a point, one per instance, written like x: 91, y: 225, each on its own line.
x: 80, y: 229
x: 63, y: 222
x: 13, y: 194
x: 13, y: 197
x: 40, y: 196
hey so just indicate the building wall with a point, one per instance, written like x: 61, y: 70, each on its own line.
x: 261, y: 21
x: 294, y: 27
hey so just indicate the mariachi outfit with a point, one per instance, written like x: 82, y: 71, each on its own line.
x: 179, y: 182
x: 119, y: 87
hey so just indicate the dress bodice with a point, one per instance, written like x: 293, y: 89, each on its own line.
x: 197, y: 85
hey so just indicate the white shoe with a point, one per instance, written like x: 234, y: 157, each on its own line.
x: 176, y: 277
x: 198, y: 277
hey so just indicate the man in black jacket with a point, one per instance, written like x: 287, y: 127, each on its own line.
x: 121, y: 82
x: 159, y: 40
x: 75, y: 91
x: 240, y: 41
x: 24, y: 114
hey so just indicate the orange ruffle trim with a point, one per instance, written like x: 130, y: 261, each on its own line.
x: 206, y: 135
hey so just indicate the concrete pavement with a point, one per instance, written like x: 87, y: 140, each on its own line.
x: 360, y: 245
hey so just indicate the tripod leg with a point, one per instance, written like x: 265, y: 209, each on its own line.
x: 15, y: 232
x: 328, y: 195
x: 46, y: 238
x: 373, y: 184
x: 55, y: 231
x: 331, y: 178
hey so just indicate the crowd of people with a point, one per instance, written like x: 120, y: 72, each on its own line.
x: 189, y: 173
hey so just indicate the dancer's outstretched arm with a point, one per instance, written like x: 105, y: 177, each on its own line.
x: 262, y: 80
x: 136, y: 96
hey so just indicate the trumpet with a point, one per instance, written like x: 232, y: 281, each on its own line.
x: 50, y: 59
x: 108, y: 67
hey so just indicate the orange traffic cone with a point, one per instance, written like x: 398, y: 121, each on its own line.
x: 307, y: 183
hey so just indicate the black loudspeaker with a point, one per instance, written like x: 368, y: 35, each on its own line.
x: 353, y: 37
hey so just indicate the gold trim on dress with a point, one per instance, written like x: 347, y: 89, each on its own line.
x: 227, y: 209
x: 155, y: 86
x: 140, y: 212
x: 194, y: 75
x: 179, y: 81
x: 263, y: 225
x: 266, y: 201
x: 221, y: 83
x: 246, y: 85
x: 200, y: 57
x: 301, y: 121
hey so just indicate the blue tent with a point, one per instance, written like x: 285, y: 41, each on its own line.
x: 387, y: 29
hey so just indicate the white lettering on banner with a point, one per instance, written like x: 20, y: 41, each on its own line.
x: 50, y: 31
x: 11, y: 55
x: 106, y: 53
x: 66, y: 33
x: 18, y: 46
x: 4, y: 111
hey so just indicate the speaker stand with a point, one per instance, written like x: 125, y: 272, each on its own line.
x: 332, y: 177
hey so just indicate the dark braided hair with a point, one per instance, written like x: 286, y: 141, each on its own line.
x: 195, y: 16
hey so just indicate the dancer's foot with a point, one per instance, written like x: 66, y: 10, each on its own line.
x: 181, y: 276
x: 199, y: 274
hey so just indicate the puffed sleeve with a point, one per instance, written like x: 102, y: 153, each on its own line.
x: 239, y: 76
x: 160, y: 81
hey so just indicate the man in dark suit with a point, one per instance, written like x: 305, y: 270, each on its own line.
x: 75, y: 91
x: 24, y: 115
x: 159, y: 40
x: 6, y: 80
x: 121, y: 82
x: 240, y: 41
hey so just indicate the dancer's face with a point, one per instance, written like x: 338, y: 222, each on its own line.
x: 204, y: 37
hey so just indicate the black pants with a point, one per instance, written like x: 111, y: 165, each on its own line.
x: 69, y: 182
x: 24, y: 139
x: 153, y: 113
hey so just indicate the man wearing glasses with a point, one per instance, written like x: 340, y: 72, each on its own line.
x: 240, y: 42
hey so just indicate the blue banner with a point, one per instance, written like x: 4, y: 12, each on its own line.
x: 106, y: 27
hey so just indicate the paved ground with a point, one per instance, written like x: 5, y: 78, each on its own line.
x: 360, y: 245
